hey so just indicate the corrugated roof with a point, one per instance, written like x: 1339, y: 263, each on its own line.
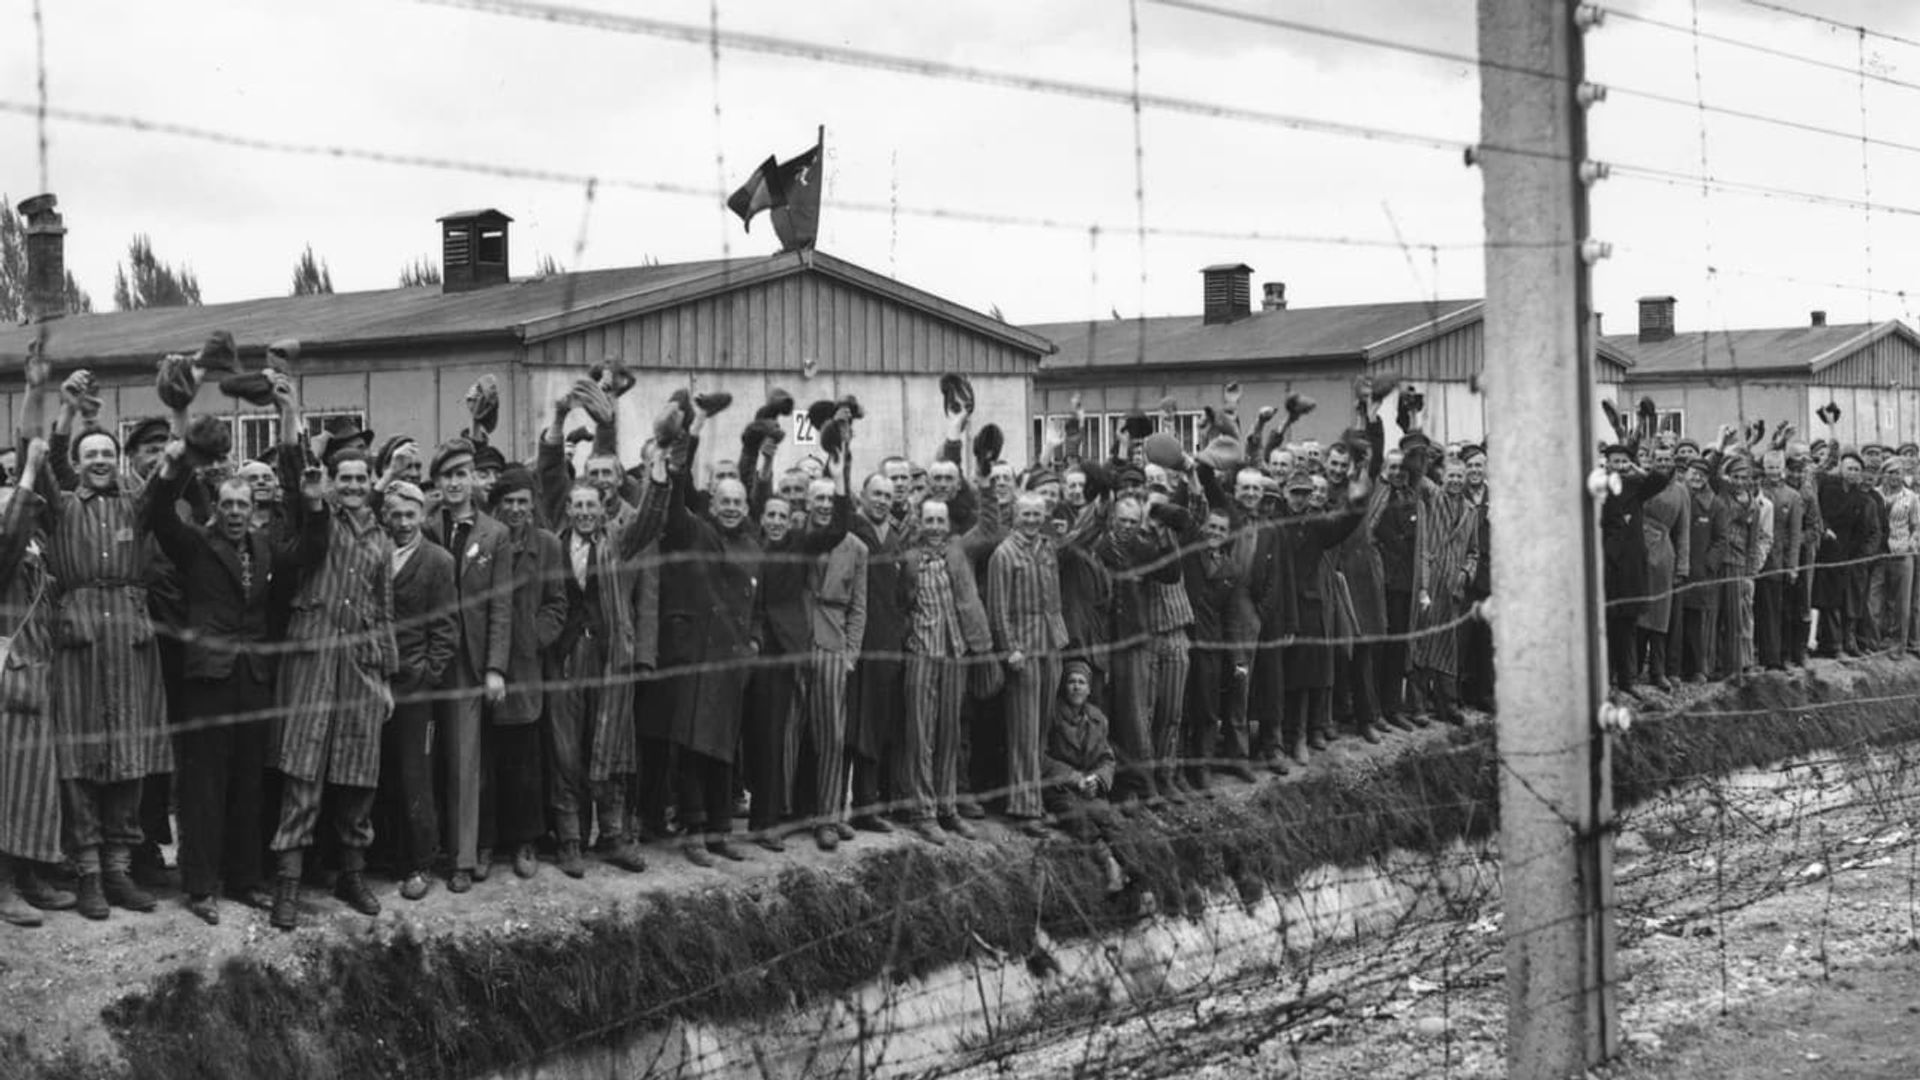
x: 1802, y: 348
x: 521, y: 310
x: 1293, y: 334
x: 348, y: 319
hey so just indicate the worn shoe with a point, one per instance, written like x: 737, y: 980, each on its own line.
x: 571, y: 864
x: 524, y: 864
x: 872, y: 823
x: 352, y: 888
x: 1277, y: 764
x: 205, y: 908
x: 1370, y: 733
x: 460, y: 881
x: 253, y: 896
x: 696, y: 853
x: 121, y: 892
x: 483, y: 865
x: 958, y: 827
x: 725, y: 848
x: 286, y: 903
x: 92, y: 898
x: 926, y: 830
x: 35, y: 890
x: 845, y: 830
x: 416, y: 886
x: 827, y: 837
x: 971, y: 810
x: 1239, y: 770
x: 769, y: 841
x: 1316, y: 740
x: 626, y: 855
x: 15, y: 910
x: 1031, y: 828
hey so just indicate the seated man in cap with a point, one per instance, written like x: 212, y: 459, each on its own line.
x: 1078, y: 769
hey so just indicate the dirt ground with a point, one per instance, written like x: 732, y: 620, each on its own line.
x: 55, y: 981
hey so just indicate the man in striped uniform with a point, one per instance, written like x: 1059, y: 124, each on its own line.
x: 836, y: 601
x: 945, y: 622
x: 109, y: 706
x: 1023, y: 606
x: 29, y: 790
x: 334, y: 695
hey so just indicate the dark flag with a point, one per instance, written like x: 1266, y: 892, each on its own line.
x: 791, y: 190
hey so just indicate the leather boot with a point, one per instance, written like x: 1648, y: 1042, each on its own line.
x: 15, y: 910
x: 121, y: 892
x: 35, y: 890
x: 286, y: 903
x: 91, y: 900
x: 351, y: 887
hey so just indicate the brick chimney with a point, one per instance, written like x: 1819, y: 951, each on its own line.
x: 1819, y: 318
x: 46, y: 292
x: 1273, y: 296
x: 1228, y: 292
x: 1656, y: 318
x: 473, y: 250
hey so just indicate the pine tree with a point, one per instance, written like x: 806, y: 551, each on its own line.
x: 311, y: 276
x: 421, y: 271
x: 146, y: 282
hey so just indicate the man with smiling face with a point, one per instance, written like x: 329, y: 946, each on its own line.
x: 333, y: 694
x: 708, y: 639
x: 876, y: 716
x: 227, y: 687
x: 1023, y: 607
x: 476, y: 680
x: 945, y: 623
x: 426, y: 636
x: 836, y: 605
x: 1851, y: 519
x: 512, y: 809
x: 591, y: 728
x: 108, y: 702
x: 1666, y: 522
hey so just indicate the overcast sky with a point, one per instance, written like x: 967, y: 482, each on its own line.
x: 402, y: 77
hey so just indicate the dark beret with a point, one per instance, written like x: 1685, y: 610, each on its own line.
x: 486, y: 457
x: 511, y: 479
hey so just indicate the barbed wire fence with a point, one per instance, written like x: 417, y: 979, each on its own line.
x: 1280, y: 925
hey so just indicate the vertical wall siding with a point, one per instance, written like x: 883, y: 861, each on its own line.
x: 775, y: 326
x: 1888, y: 362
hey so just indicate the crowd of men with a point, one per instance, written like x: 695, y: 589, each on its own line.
x: 354, y: 652
x: 1753, y: 553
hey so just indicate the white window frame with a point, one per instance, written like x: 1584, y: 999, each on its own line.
x: 319, y: 420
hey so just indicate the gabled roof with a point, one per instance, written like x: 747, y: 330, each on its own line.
x: 1364, y: 332
x: 1783, y: 350
x: 518, y: 311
